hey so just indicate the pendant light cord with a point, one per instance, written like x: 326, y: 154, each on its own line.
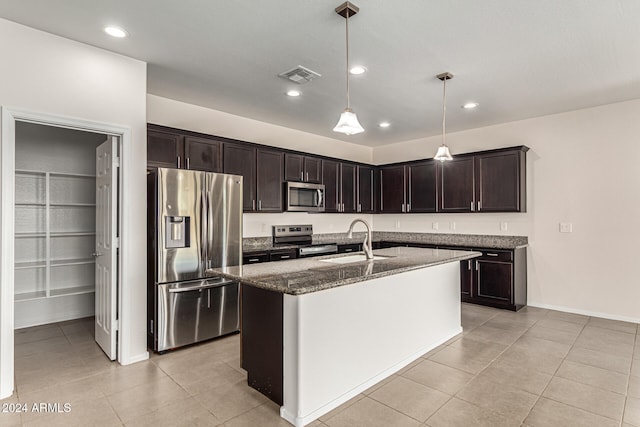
x: 347, y: 38
x: 444, y: 107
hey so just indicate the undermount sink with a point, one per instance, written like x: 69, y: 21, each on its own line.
x: 352, y: 258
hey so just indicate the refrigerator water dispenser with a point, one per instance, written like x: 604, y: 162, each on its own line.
x: 177, y: 231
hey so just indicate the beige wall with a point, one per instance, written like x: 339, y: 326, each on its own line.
x: 583, y: 169
x: 47, y: 74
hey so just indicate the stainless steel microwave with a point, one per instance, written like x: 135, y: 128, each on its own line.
x: 304, y: 197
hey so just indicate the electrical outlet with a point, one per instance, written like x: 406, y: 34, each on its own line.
x: 503, y: 226
x: 452, y: 225
x: 397, y: 224
x: 434, y: 225
x: 566, y: 227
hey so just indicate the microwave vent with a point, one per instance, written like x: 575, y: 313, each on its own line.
x: 300, y: 75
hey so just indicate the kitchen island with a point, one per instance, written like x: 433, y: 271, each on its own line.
x: 317, y: 332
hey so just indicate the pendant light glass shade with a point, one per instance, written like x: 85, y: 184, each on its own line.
x: 348, y: 123
x: 443, y: 153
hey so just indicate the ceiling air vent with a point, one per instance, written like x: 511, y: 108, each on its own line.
x: 299, y: 74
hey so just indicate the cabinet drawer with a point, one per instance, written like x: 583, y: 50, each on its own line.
x: 255, y: 257
x: 281, y: 255
x: 497, y: 255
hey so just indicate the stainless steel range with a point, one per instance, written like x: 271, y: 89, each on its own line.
x: 302, y: 236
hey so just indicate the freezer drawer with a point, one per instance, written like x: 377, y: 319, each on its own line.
x: 194, y: 311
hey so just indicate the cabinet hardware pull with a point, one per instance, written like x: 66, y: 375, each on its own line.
x: 479, y: 205
x: 188, y: 165
x: 253, y: 205
x: 359, y: 207
x: 472, y: 210
x: 307, y: 176
x: 477, y: 266
x: 491, y: 254
x: 301, y: 176
x: 254, y: 259
x: 408, y: 207
x: 259, y: 205
x: 178, y: 162
x: 348, y: 250
x: 403, y: 207
x: 469, y: 265
x: 285, y: 256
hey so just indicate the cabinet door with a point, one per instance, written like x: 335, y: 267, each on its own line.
x: 203, y: 154
x: 269, y: 173
x: 365, y: 189
x: 457, y: 185
x: 392, y: 189
x: 241, y: 160
x: 330, y: 181
x: 421, y: 187
x: 467, y: 268
x: 494, y: 281
x: 312, y: 169
x: 348, y: 187
x: 499, y: 178
x: 164, y: 149
x: 293, y: 167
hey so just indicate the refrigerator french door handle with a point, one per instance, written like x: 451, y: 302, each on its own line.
x: 204, y: 224
x: 200, y: 286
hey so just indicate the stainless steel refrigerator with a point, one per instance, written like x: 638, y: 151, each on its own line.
x: 194, y: 223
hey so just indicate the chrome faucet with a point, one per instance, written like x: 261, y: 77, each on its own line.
x: 367, y: 246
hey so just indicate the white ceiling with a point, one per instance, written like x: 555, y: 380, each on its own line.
x: 517, y: 58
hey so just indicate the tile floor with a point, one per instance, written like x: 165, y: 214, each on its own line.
x: 531, y: 368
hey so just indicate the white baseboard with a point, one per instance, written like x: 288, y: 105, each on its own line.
x: 135, y: 359
x: 585, y: 312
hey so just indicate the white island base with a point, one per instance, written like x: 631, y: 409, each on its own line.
x: 339, y: 342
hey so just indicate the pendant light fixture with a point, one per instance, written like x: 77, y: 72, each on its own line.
x: 443, y: 153
x: 348, y: 122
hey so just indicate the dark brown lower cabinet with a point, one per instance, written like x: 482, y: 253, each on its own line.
x: 262, y: 341
x: 498, y: 279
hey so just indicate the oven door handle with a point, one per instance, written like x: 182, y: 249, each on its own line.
x: 205, y: 284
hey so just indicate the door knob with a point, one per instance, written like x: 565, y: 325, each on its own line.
x: 96, y: 254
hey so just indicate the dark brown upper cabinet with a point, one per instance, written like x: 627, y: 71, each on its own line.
x: 175, y: 150
x: 340, y: 181
x: 165, y: 149
x: 240, y: 159
x: 457, y: 185
x: 270, y: 165
x: 302, y: 168
x: 366, y: 189
x: 489, y: 181
x: 501, y: 178
x: 262, y: 172
x: 409, y: 188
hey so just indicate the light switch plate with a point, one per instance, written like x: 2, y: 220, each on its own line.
x: 566, y: 227
x: 435, y: 225
x: 503, y: 226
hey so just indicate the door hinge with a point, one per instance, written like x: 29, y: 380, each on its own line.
x: 116, y: 162
x: 116, y: 242
x: 116, y: 325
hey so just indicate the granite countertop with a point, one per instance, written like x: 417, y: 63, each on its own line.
x: 306, y: 275
x: 463, y: 240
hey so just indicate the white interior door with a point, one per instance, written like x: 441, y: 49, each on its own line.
x: 106, y: 247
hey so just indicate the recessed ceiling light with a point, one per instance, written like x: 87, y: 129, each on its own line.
x: 470, y: 105
x: 293, y: 93
x: 384, y: 124
x: 115, y: 32
x: 358, y: 69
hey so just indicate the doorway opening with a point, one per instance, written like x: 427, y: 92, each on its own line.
x: 53, y: 195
